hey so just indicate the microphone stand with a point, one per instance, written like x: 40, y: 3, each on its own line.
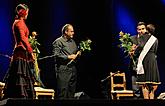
x: 109, y: 76
x: 5, y: 55
x: 46, y: 57
x: 103, y: 80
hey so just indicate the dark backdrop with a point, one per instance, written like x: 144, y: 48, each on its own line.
x: 94, y: 19
x: 90, y: 18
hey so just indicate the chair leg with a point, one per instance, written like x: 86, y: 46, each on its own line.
x: 112, y: 96
x: 36, y: 96
x: 118, y: 97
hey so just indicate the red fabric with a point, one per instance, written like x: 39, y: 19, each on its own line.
x: 19, y: 53
x: 21, y: 33
x: 22, y: 13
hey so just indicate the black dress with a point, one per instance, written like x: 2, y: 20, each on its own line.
x: 20, y: 77
x: 151, y: 72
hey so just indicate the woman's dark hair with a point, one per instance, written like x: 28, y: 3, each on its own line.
x: 150, y: 28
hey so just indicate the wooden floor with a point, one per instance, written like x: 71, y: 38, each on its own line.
x: 82, y: 102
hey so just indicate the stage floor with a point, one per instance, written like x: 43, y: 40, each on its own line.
x: 73, y: 102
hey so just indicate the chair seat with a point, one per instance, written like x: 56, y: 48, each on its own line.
x: 122, y: 91
x: 43, y: 91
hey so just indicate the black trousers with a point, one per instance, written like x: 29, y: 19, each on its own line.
x: 66, y: 81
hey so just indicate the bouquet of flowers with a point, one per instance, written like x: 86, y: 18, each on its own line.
x: 34, y: 44
x: 125, y: 40
x: 84, y: 45
x: 126, y: 44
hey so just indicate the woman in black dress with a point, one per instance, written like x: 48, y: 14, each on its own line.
x: 149, y: 79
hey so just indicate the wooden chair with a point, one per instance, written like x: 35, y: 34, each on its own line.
x: 118, y: 86
x: 44, y: 92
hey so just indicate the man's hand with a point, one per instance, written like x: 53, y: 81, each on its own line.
x: 33, y: 57
x: 133, y: 48
x: 72, y: 56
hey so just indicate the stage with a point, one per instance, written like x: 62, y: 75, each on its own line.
x: 81, y: 102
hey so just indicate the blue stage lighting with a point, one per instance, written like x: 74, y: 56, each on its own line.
x: 125, y: 21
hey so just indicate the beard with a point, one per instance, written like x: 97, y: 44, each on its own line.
x: 71, y: 36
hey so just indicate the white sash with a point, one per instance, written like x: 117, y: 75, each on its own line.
x: 146, y: 48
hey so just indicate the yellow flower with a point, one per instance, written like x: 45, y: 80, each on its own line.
x: 121, y: 33
x: 127, y: 44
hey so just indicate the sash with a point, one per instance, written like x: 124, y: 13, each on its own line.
x: 146, y: 48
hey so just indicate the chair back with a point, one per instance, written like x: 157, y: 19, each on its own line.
x: 118, y: 81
